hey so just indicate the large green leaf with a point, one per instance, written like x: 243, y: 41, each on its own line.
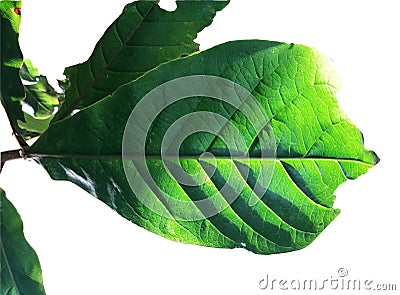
x: 316, y: 149
x: 20, y: 268
x: 143, y: 37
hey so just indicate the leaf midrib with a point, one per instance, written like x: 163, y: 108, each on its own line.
x: 196, y: 157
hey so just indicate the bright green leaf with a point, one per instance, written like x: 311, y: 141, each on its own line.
x: 11, y: 10
x: 21, y: 273
x: 143, y: 37
x: 41, y: 97
x: 34, y: 125
x: 317, y: 149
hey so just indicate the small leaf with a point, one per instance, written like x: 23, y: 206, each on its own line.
x: 267, y: 203
x: 41, y: 97
x: 20, y: 268
x: 143, y: 37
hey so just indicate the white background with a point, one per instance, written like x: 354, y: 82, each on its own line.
x: 86, y: 248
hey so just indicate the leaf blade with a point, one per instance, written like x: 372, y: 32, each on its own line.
x: 11, y: 88
x: 143, y: 37
x: 39, y: 94
x: 20, y: 268
x: 40, y: 97
x: 297, y: 204
x: 14, y: 94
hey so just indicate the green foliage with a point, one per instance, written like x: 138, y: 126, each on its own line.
x: 143, y: 37
x: 37, y: 92
x: 12, y: 90
x: 20, y: 268
x: 294, y: 84
x: 10, y: 11
x: 265, y: 202
x: 41, y: 97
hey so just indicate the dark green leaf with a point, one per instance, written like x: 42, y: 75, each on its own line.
x: 143, y: 37
x: 317, y: 149
x: 37, y: 92
x: 21, y: 273
x: 11, y: 88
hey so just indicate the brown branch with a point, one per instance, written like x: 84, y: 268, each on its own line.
x: 10, y: 155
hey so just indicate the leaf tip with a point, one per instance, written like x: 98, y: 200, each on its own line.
x: 375, y: 157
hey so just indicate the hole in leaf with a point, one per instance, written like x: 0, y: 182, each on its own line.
x: 168, y: 5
